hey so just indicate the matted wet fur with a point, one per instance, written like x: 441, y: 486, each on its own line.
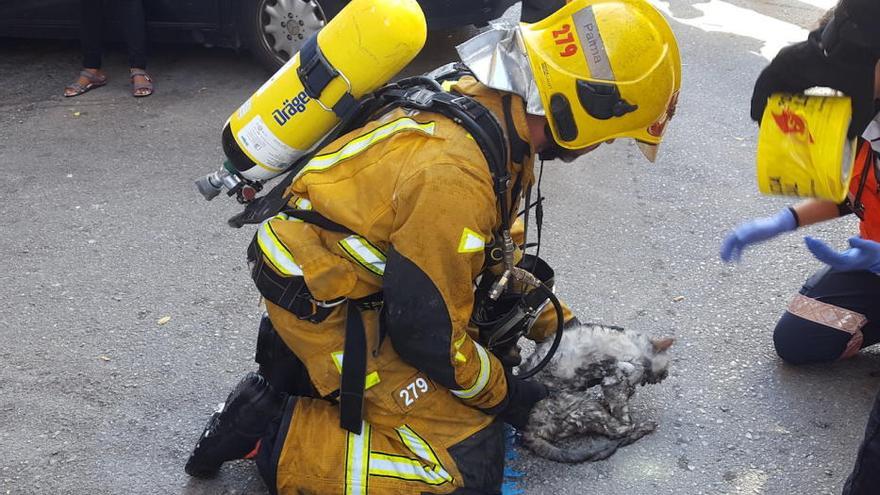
x: 590, y: 355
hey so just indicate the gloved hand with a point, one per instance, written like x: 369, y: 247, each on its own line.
x: 863, y: 254
x: 755, y: 231
x: 805, y: 65
x: 522, y: 395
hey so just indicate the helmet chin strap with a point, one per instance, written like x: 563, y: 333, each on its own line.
x: 552, y: 150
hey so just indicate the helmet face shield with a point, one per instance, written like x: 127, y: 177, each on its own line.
x: 649, y: 150
x: 604, y: 69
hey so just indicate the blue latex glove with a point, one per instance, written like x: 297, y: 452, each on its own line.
x: 862, y: 254
x: 755, y: 231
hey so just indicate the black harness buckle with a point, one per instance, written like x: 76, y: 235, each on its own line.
x: 314, y: 71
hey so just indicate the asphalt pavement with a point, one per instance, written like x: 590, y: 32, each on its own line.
x: 128, y: 313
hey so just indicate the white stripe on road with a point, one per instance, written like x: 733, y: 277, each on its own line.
x: 720, y: 16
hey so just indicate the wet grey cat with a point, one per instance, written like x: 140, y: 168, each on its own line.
x: 616, y: 360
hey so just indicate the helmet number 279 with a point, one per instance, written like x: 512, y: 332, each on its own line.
x: 561, y: 39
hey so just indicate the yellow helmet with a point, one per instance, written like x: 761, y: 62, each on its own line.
x: 605, y: 69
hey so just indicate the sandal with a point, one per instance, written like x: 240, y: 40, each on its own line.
x: 76, y: 88
x: 141, y: 89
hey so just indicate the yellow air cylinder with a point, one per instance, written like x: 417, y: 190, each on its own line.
x: 803, y: 149
x: 364, y: 46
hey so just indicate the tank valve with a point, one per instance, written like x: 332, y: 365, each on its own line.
x: 212, y: 184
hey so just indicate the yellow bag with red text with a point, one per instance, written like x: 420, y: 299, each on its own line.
x: 803, y: 149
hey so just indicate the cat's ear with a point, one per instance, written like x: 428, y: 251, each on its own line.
x: 661, y: 345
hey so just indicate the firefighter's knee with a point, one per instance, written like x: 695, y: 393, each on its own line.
x: 281, y: 367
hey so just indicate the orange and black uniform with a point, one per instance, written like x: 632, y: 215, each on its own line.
x: 837, y: 313
x: 416, y: 193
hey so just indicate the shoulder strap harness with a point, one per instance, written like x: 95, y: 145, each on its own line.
x: 419, y: 93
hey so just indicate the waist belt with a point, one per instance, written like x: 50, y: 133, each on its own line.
x: 292, y: 294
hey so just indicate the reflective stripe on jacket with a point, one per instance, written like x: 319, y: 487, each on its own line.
x: 416, y: 190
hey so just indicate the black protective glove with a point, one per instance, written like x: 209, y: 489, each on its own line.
x: 849, y: 69
x: 522, y: 395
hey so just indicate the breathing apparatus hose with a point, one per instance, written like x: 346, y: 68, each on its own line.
x: 557, y: 339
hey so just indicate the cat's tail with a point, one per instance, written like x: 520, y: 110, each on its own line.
x: 597, y: 449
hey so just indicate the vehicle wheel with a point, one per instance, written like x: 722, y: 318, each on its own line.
x: 274, y: 30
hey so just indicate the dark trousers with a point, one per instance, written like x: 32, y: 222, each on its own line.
x: 835, y: 315
x: 131, y: 15
x: 865, y: 476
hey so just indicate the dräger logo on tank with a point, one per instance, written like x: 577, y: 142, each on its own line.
x: 289, y: 108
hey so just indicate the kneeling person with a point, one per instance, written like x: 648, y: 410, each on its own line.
x: 369, y: 271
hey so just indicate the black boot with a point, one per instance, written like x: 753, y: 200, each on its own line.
x: 233, y: 431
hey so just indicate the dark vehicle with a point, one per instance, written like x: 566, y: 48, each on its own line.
x: 273, y: 30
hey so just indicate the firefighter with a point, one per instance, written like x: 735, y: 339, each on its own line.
x: 836, y: 312
x: 386, y: 231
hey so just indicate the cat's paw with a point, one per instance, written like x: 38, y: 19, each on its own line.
x: 646, y: 427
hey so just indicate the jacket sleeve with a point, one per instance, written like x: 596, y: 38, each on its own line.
x: 443, y: 216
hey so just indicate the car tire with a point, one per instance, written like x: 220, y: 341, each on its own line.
x: 274, y: 30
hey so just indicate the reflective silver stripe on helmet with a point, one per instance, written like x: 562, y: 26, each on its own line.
x: 592, y: 44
